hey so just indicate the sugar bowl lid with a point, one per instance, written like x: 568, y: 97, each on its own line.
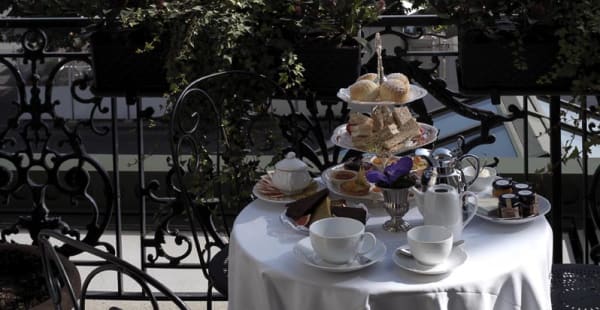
x: 291, y: 163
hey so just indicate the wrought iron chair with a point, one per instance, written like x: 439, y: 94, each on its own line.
x: 577, y: 286
x: 57, y: 278
x: 226, y: 124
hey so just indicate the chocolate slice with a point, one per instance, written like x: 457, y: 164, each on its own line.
x: 355, y: 213
x: 305, y: 205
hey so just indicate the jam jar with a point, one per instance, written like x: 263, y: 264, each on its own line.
x: 508, y: 206
x: 527, y: 202
x: 501, y: 186
x: 517, y: 186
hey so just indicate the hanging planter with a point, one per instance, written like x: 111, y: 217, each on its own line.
x: 495, y: 63
x: 120, y: 69
x: 329, y: 68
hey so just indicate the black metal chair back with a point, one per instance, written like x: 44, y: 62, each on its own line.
x: 57, y: 278
x: 222, y: 128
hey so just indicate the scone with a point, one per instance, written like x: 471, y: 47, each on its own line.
x: 398, y: 76
x: 393, y: 90
x: 364, y: 90
x: 368, y: 76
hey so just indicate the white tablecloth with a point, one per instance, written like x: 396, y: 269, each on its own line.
x: 508, y: 267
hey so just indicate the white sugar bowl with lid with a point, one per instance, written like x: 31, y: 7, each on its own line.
x: 291, y: 175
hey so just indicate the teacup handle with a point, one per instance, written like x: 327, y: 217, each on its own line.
x: 371, y: 243
x: 465, y: 195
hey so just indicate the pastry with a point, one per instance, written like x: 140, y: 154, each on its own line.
x: 322, y: 211
x: 353, y: 188
x: 306, y: 205
x: 358, y: 187
x: 393, y: 90
x: 364, y: 90
x: 368, y: 76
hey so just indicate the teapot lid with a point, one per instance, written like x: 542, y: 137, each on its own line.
x: 291, y: 163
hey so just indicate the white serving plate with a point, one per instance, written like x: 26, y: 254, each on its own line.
x: 415, y: 93
x: 325, y: 176
x: 543, y: 204
x: 341, y: 137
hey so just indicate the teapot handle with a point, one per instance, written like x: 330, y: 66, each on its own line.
x: 477, y: 167
x: 465, y: 195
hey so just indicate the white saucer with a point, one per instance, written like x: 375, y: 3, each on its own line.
x: 457, y: 257
x: 285, y: 199
x: 304, y: 252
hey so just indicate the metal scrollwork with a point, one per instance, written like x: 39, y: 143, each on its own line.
x: 43, y: 158
x: 163, y: 230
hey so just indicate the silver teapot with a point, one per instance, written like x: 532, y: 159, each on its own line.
x: 446, y: 167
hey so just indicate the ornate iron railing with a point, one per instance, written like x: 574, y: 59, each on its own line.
x: 44, y: 158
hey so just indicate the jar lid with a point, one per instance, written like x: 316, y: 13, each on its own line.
x: 291, y: 163
x: 521, y: 186
x: 502, y: 184
x: 525, y: 193
x: 508, y: 196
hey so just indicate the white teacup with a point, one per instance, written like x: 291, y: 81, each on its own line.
x: 484, y: 180
x: 339, y: 240
x: 430, y: 244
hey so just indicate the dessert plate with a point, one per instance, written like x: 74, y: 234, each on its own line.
x: 342, y: 138
x: 415, y: 93
x: 289, y: 222
x: 303, y: 229
x: 457, y: 257
x: 313, y: 187
x: 543, y: 205
x: 304, y: 252
x: 326, y: 177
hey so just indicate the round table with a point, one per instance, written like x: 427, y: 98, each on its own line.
x: 508, y: 267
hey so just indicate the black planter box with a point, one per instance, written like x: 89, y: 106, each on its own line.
x: 120, y: 71
x: 487, y: 65
x: 327, y: 69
